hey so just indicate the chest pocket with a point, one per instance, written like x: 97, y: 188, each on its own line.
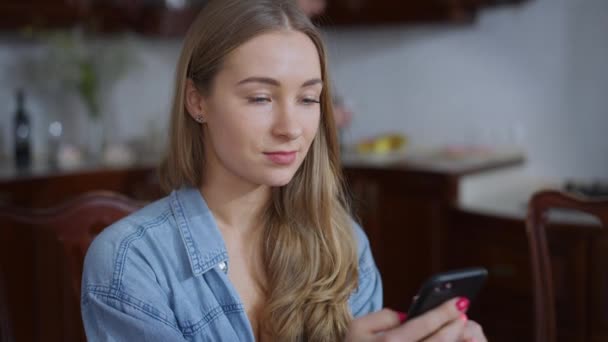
x: 206, y: 309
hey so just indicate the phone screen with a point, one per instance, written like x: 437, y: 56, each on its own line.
x: 445, y: 286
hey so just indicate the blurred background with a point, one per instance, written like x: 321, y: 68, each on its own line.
x: 451, y: 114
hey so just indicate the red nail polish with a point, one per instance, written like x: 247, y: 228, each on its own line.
x: 402, y: 316
x: 462, y: 304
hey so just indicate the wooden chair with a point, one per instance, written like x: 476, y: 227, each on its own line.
x: 41, y: 257
x: 543, y: 287
x: 5, y: 330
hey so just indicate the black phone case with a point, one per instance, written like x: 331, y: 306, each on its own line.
x: 445, y: 286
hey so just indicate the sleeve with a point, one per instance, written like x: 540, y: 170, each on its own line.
x: 121, y: 299
x: 368, y: 296
x: 120, y: 317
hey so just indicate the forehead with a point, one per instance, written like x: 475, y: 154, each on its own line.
x: 283, y: 54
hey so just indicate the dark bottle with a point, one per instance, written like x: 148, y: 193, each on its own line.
x: 23, y: 133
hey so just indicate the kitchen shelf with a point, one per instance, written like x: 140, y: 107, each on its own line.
x: 158, y: 20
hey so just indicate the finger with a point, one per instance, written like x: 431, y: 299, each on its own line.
x: 382, y: 320
x: 429, y: 323
x: 453, y: 331
x: 473, y: 332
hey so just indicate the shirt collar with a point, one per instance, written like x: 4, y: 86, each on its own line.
x: 202, y: 239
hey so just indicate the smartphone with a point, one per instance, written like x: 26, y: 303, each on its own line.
x: 445, y: 286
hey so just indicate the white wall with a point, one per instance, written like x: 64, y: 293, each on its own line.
x: 536, y: 75
x: 137, y: 101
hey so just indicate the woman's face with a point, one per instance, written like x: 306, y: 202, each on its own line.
x: 263, y: 110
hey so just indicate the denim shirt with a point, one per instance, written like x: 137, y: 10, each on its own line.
x: 160, y: 274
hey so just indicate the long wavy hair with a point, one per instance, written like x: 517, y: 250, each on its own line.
x: 309, y: 249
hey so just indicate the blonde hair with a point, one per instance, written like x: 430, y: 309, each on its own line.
x: 310, y: 252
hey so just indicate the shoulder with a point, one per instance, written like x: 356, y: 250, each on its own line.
x: 123, y: 279
x: 129, y: 240
x: 367, y: 297
x: 366, y: 260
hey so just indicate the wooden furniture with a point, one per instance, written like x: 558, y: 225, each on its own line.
x: 540, y: 205
x: 402, y: 207
x: 99, y: 16
x: 505, y: 306
x: 5, y: 327
x: 402, y: 213
x: 41, y: 257
x: 48, y: 189
x: 382, y: 12
x: 158, y: 19
x: 21, y: 14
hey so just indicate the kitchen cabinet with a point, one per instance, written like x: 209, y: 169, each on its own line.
x: 505, y: 305
x: 402, y: 213
x: 99, y: 16
x: 21, y: 14
x: 403, y: 208
x: 42, y: 191
x: 402, y: 205
x: 372, y: 12
x: 156, y: 18
x: 598, y: 278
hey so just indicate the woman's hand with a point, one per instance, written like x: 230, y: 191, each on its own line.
x: 473, y: 333
x: 448, y: 322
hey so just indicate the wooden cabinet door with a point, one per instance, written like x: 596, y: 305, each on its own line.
x: 505, y: 305
x: 598, y: 312
x: 402, y: 214
x: 20, y: 14
x: 365, y: 12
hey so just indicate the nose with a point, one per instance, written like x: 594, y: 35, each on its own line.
x: 286, y: 124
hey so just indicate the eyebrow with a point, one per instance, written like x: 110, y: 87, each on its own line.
x: 275, y: 83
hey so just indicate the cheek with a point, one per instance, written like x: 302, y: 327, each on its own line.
x: 235, y: 131
x: 311, y: 127
x: 227, y: 137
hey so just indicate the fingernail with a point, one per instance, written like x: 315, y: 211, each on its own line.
x: 402, y: 316
x: 462, y: 304
x: 464, y: 317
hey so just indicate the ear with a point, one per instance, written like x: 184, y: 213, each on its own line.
x: 194, y: 102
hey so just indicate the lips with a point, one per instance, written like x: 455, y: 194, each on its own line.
x: 282, y: 157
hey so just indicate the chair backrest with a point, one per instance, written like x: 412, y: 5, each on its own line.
x: 6, y: 334
x: 543, y: 287
x: 41, y: 257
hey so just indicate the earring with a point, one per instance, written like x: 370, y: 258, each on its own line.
x: 199, y: 118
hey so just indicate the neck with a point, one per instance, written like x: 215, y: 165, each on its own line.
x: 236, y: 207
x: 236, y: 204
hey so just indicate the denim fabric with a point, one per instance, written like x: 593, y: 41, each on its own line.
x: 160, y: 274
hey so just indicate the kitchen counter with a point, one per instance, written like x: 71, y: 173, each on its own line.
x: 437, y: 161
x: 40, y: 169
x: 422, y: 160
x: 505, y: 193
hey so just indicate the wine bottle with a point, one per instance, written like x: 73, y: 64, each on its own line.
x: 22, y: 133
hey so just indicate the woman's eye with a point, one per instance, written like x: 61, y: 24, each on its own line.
x: 258, y: 99
x: 310, y: 101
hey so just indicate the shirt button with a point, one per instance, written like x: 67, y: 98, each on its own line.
x: 223, y: 266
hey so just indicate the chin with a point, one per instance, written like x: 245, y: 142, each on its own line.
x: 278, y: 179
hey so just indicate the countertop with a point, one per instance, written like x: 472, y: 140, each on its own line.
x: 437, y: 160
x: 505, y: 193
x: 41, y: 169
x: 487, y: 185
x: 425, y: 160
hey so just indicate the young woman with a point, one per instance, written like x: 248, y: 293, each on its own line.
x: 255, y: 241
